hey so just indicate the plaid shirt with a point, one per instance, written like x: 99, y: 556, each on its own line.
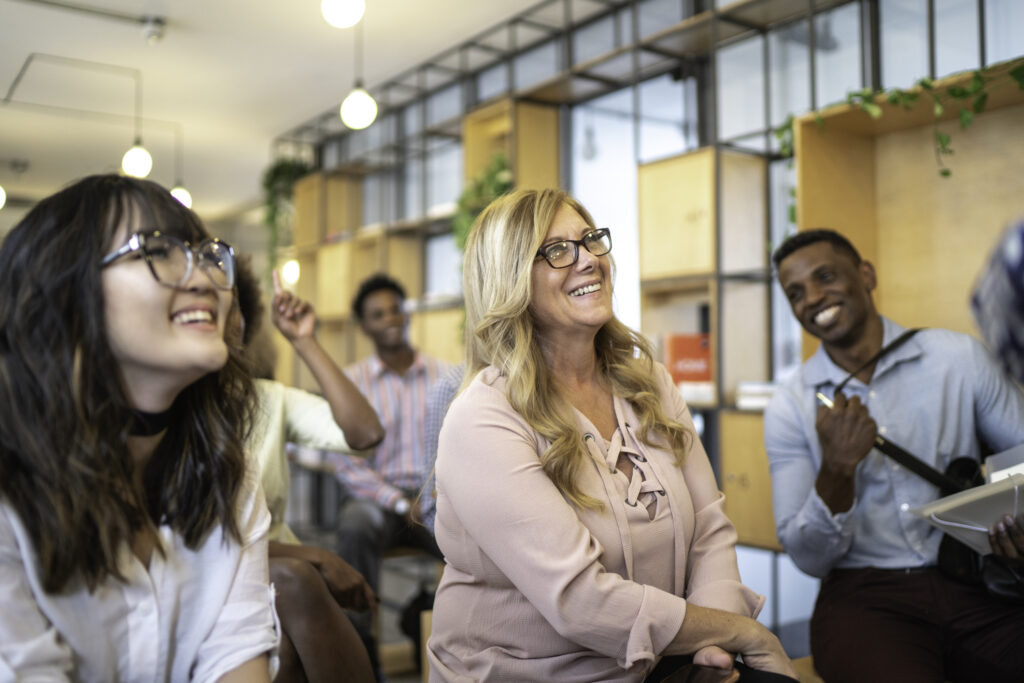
x: 400, y: 462
x: 440, y: 397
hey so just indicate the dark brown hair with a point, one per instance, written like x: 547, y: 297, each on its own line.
x: 808, y: 237
x: 65, y: 468
x: 375, y: 283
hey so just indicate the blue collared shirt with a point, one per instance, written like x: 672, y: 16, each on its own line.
x: 934, y: 396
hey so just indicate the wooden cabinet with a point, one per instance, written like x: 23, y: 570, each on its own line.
x: 527, y: 133
x: 745, y: 478
x: 439, y: 332
x: 703, y: 259
x: 676, y: 204
x: 334, y: 288
x: 326, y: 205
x: 876, y: 181
x: 704, y: 269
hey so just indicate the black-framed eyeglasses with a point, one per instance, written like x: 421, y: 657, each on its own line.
x: 171, y: 260
x: 565, y: 253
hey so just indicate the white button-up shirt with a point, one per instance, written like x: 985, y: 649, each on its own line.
x: 193, y: 615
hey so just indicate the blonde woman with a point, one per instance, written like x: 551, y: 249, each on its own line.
x: 577, y: 511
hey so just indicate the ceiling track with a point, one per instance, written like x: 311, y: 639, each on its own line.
x: 153, y: 20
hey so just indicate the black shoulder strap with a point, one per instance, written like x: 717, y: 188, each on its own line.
x: 905, y: 458
x: 888, y: 348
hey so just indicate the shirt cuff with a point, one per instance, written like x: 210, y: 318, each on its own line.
x: 822, y: 516
x: 388, y: 496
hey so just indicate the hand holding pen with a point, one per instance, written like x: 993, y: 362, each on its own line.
x: 846, y: 432
x: 844, y: 410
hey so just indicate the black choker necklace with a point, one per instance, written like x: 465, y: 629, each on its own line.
x: 148, y: 424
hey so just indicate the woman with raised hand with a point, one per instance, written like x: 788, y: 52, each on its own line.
x: 582, y: 528
x: 132, y: 535
x: 313, y: 586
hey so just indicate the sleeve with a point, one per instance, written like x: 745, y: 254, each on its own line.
x: 998, y: 401
x: 309, y: 422
x: 439, y: 398
x: 490, y: 474
x: 30, y: 647
x: 811, y: 535
x: 712, y: 575
x: 247, y: 625
x: 359, y: 477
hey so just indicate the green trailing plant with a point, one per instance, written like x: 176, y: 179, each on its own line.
x: 968, y: 100
x: 278, y: 182
x: 493, y: 181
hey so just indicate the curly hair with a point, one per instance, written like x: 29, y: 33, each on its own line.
x: 375, y: 283
x: 65, y: 419
x: 500, y: 254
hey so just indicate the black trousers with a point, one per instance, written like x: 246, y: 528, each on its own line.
x: 913, y: 626
x: 365, y: 530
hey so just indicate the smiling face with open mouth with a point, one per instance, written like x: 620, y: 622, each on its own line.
x: 163, y: 338
x: 830, y: 294
x: 577, y: 298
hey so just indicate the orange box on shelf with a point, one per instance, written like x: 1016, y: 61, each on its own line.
x: 688, y: 359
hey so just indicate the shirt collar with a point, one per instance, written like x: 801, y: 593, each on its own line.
x: 819, y: 368
x: 379, y: 369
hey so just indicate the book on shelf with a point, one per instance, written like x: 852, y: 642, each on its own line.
x: 687, y: 357
x: 968, y: 515
x: 754, y: 395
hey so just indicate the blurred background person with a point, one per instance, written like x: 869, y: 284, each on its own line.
x: 313, y: 586
x: 379, y: 511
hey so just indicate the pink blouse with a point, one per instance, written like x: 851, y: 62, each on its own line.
x: 537, y: 589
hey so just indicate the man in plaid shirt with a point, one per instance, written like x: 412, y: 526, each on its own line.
x: 381, y: 510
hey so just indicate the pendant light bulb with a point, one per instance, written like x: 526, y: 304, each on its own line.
x: 342, y: 13
x: 3, y: 197
x: 358, y: 109
x: 182, y: 195
x: 137, y: 161
x: 290, y: 272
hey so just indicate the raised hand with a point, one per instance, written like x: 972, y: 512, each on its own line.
x: 294, y: 317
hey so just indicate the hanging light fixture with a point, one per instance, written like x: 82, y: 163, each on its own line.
x: 179, y: 192
x: 137, y: 161
x: 3, y: 196
x: 290, y: 272
x: 342, y: 13
x: 183, y: 196
x: 358, y: 109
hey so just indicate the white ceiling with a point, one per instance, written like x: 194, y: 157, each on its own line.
x: 231, y: 75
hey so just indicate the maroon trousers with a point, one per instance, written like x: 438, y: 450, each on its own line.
x: 879, y: 625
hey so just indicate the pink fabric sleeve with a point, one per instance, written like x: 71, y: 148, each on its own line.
x: 713, y: 579
x: 491, y: 475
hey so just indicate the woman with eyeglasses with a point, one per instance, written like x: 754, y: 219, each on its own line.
x: 132, y: 536
x: 582, y: 528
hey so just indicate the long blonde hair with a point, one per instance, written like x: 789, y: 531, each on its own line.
x: 500, y: 253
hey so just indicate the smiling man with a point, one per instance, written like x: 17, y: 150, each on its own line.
x: 381, y: 510
x: 842, y: 509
